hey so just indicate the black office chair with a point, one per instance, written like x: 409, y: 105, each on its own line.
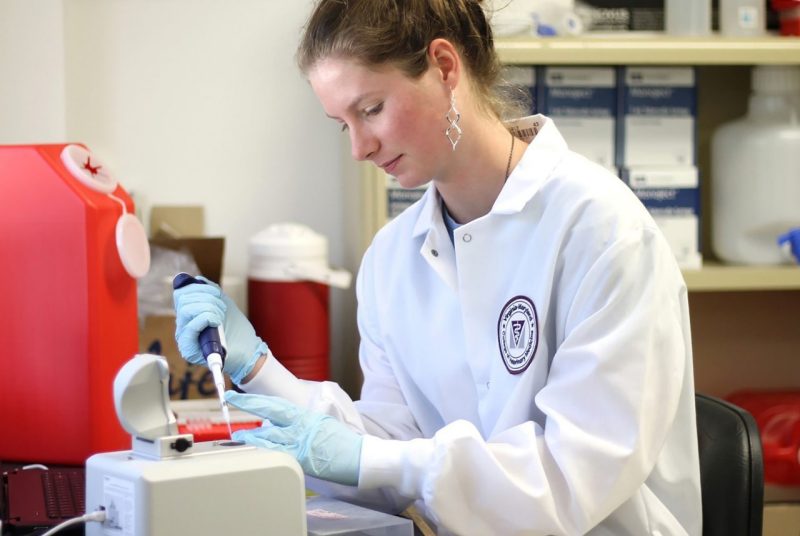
x: 731, y: 469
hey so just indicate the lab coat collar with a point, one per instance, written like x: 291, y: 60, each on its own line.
x: 547, y: 147
x: 436, y: 247
x: 430, y: 213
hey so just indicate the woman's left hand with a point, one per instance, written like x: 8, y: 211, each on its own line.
x: 324, y: 447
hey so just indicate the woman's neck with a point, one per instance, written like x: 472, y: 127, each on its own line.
x: 474, y: 181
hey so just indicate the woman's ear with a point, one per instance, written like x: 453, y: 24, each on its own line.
x: 443, y: 56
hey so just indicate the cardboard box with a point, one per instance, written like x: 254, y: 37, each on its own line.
x: 177, y: 220
x: 181, y: 228
x: 207, y: 253
x: 781, y: 519
x: 186, y: 381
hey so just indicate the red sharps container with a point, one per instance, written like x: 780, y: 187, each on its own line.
x: 288, y: 296
x: 72, y: 250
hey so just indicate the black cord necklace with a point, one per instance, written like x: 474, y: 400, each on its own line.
x: 510, y: 154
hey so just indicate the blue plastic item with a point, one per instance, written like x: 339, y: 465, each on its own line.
x: 201, y: 308
x: 324, y: 447
x: 791, y: 241
x: 210, y: 341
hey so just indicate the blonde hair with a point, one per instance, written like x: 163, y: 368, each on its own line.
x: 398, y: 32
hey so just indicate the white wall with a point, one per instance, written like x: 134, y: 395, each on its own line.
x: 31, y: 71
x: 190, y: 102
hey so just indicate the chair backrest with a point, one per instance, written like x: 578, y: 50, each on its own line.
x: 731, y: 469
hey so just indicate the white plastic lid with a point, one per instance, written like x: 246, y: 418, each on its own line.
x: 141, y: 397
x: 289, y: 241
x: 776, y: 79
x: 133, y: 246
x: 131, y: 238
x: 88, y: 169
x: 293, y: 252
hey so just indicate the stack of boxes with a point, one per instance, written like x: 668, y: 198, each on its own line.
x: 657, y: 151
x: 640, y: 123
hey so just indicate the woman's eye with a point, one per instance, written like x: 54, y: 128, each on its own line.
x: 374, y: 110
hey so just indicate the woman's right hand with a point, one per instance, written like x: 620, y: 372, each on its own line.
x: 198, y: 306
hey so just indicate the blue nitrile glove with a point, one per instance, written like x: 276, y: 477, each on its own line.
x: 199, y: 306
x: 324, y: 447
x: 791, y: 242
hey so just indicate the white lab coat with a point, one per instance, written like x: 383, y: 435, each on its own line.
x: 536, y: 376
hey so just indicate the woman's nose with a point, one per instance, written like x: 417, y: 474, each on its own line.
x: 362, y: 144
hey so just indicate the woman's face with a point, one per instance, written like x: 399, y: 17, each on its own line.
x: 393, y: 121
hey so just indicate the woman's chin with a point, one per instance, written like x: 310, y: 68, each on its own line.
x: 409, y: 183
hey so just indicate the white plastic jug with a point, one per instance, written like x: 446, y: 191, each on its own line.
x: 755, y: 171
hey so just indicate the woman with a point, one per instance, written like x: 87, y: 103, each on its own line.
x: 524, y: 327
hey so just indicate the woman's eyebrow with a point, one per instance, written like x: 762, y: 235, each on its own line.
x: 355, y: 103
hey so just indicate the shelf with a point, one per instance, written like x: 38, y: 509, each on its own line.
x: 722, y: 278
x: 648, y: 48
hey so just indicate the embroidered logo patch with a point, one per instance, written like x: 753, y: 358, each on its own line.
x: 518, y: 333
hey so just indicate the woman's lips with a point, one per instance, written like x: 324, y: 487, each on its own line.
x: 389, y: 166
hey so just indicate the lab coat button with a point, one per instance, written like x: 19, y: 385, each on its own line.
x: 434, y: 253
x: 467, y: 237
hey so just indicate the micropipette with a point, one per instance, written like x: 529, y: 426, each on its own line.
x: 213, y: 349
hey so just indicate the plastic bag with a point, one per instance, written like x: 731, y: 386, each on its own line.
x: 154, y: 291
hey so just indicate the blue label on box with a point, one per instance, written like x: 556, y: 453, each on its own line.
x: 579, y: 92
x: 580, y: 102
x: 399, y: 199
x: 669, y: 200
x: 666, y: 191
x: 659, y: 101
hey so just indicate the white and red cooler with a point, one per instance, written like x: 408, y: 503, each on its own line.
x: 288, y: 296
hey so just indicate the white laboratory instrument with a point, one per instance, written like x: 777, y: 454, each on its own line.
x: 167, y: 484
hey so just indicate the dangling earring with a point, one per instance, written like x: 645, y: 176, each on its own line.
x: 453, y: 117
